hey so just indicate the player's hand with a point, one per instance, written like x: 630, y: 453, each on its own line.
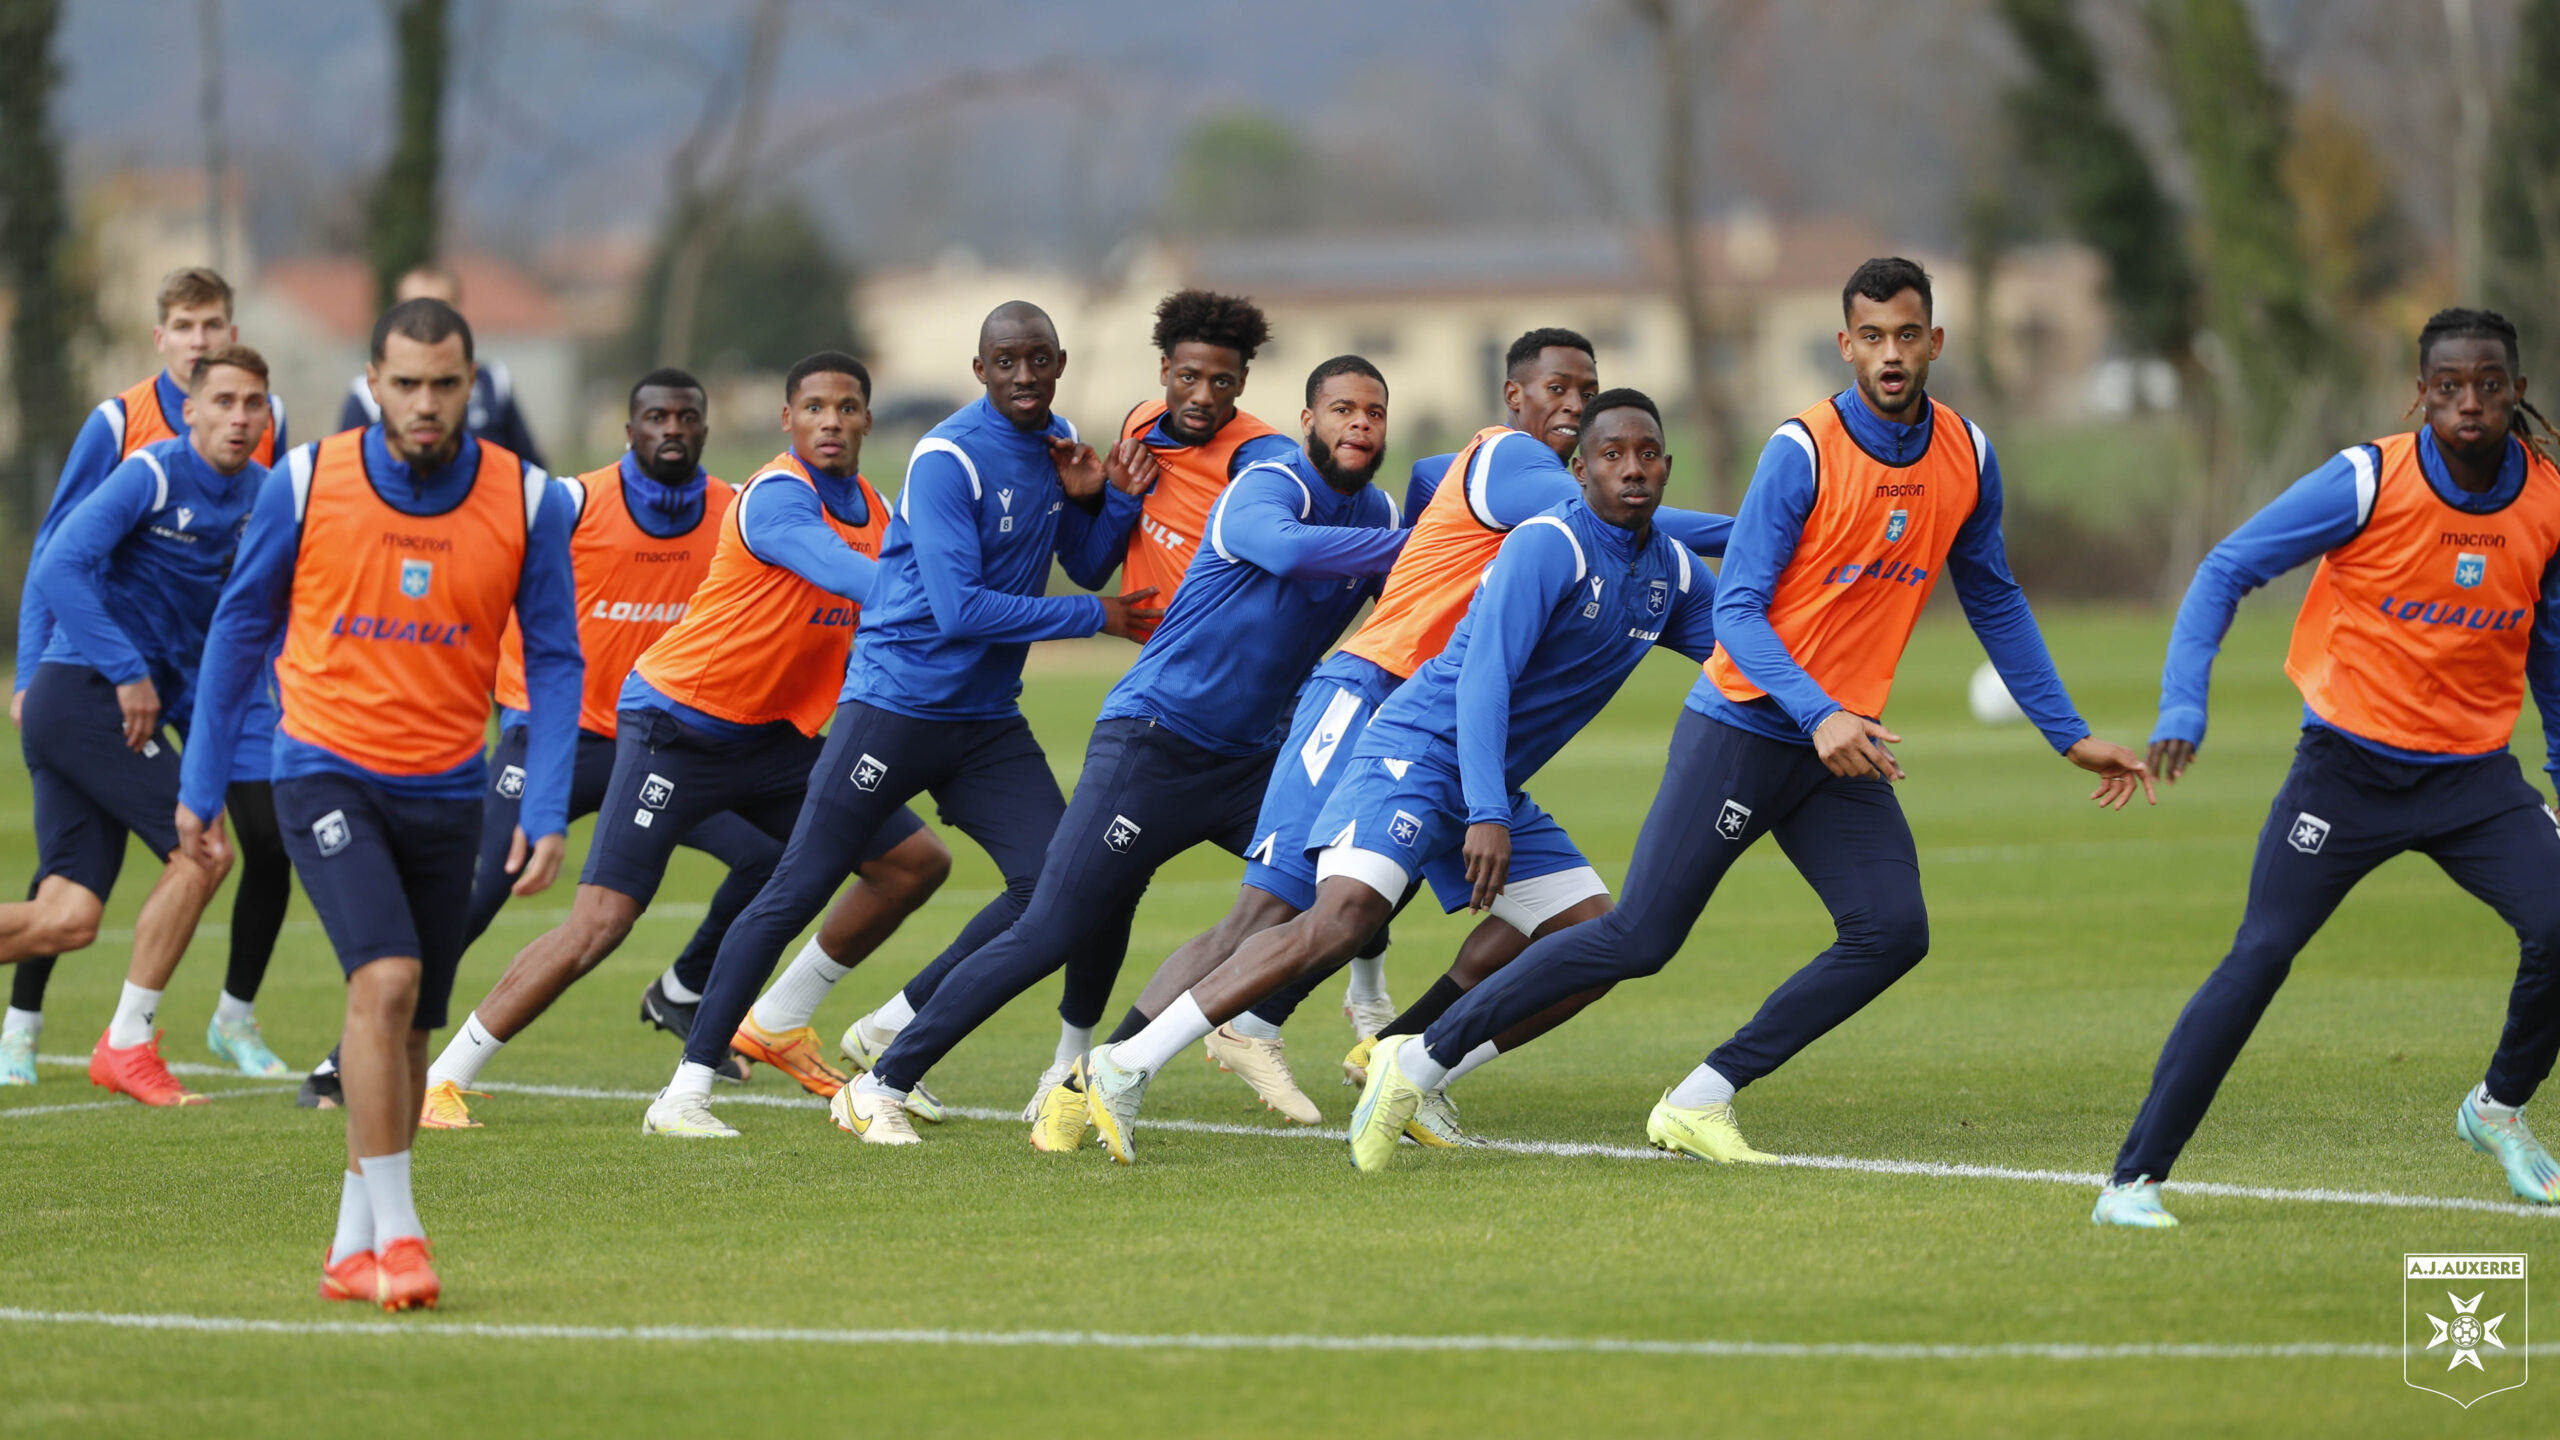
x: 1080, y: 471
x: 2169, y: 759
x: 1132, y: 468
x: 2118, y: 770
x: 534, y: 873
x: 140, y: 700
x: 1129, y: 616
x: 1488, y: 855
x: 18, y: 708
x: 1853, y: 745
x: 205, y: 844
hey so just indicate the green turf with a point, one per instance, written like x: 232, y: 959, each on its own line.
x: 2064, y: 942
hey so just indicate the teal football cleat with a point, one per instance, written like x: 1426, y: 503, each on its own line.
x: 2134, y: 1204
x: 238, y: 1044
x: 17, y: 1057
x: 2531, y: 1173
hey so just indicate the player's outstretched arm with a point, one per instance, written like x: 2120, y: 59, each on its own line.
x: 93, y: 455
x: 66, y: 574
x: 1256, y: 521
x: 939, y: 508
x: 2118, y: 768
x: 785, y: 524
x: 246, y: 623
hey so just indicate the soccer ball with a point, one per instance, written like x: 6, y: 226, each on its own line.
x: 1989, y: 696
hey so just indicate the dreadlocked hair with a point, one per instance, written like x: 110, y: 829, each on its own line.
x: 2459, y: 323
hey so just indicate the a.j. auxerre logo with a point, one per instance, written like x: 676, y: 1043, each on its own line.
x: 2463, y: 1322
x: 415, y: 576
x: 2469, y: 569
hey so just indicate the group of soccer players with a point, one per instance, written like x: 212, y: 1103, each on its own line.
x: 773, y: 672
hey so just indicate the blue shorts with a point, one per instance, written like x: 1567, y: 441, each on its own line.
x: 90, y: 791
x: 1390, y: 820
x: 389, y: 875
x: 1334, y: 708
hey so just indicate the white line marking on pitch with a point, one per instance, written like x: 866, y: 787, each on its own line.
x: 1107, y: 1340
x: 14, y: 1112
x: 1568, y: 1149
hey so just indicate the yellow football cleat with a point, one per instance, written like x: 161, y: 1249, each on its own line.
x: 1060, y: 1123
x: 1387, y: 1105
x: 1355, y: 1066
x: 444, y: 1110
x: 1705, y: 1133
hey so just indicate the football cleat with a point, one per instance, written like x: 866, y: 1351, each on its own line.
x: 1387, y: 1105
x: 1355, y: 1066
x: 1262, y: 1065
x: 1435, y: 1122
x: 2135, y: 1204
x: 1058, y: 1120
x: 686, y: 1117
x: 238, y: 1044
x: 1368, y: 1017
x: 1050, y: 1079
x: 17, y: 1057
x: 673, y: 1016
x: 443, y: 1109
x: 322, y: 1089
x: 794, y: 1053
x: 2530, y: 1170
x: 873, y: 1119
x: 1704, y: 1133
x: 1112, y: 1094
x: 862, y: 1047
x: 922, y: 1105
x: 138, y: 1071
x: 406, y: 1275
x: 354, y: 1278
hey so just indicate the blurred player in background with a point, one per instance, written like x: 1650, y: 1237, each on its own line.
x: 493, y: 414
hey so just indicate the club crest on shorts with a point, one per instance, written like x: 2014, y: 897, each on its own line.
x: 1120, y: 834
x: 415, y: 577
x: 1733, y: 819
x: 330, y: 832
x: 1404, y: 829
x: 1657, y: 597
x: 511, y: 782
x: 2469, y: 570
x: 868, y: 772
x: 1895, y: 524
x: 2308, y: 834
x: 656, y: 791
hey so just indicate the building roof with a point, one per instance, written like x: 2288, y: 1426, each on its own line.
x: 337, y: 292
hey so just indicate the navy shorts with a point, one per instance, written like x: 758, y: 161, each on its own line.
x: 389, y: 874
x: 668, y: 778
x: 1334, y: 707
x: 90, y: 791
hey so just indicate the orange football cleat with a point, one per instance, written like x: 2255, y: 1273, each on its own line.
x: 353, y: 1278
x: 406, y: 1276
x: 444, y: 1108
x: 138, y: 1071
x: 795, y: 1053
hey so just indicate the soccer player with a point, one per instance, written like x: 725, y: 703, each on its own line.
x: 1504, y: 475
x: 389, y: 559
x: 194, y: 307
x: 131, y: 576
x: 721, y: 714
x: 1200, y: 440
x: 2431, y: 615
x: 493, y: 414
x: 1857, y: 506
x: 1574, y: 600
x: 929, y: 703
x: 1185, y: 744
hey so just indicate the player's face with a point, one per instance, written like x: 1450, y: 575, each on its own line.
x: 1623, y: 468
x: 667, y: 432
x: 424, y: 391
x: 2470, y: 395
x: 828, y: 417
x: 1201, y: 383
x: 189, y: 333
x: 1347, y: 430
x: 1889, y: 343
x: 226, y: 417
x: 1547, y: 401
x: 1019, y: 363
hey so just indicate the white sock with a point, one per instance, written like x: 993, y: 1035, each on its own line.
x: 232, y: 1010
x: 29, y: 1021
x: 395, y: 1211
x: 691, y: 1079
x: 355, y: 1219
x: 1418, y: 1066
x: 674, y: 989
x: 2490, y: 1109
x: 870, y: 1084
x: 1474, y: 1058
x: 891, y: 1017
x: 1254, y: 1027
x: 1703, y: 1087
x: 470, y: 1048
x: 794, y: 998
x: 1180, y: 1026
x: 134, y: 1014
x: 1368, y: 980
x: 1073, y: 1040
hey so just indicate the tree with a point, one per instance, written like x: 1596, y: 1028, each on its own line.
x: 1239, y: 172
x: 774, y: 290
x: 703, y: 194
x: 2523, y: 221
x: 403, y: 219
x: 35, y: 255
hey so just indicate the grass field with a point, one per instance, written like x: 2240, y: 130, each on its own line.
x: 2065, y: 941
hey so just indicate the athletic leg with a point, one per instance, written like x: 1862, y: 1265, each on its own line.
x: 258, y: 904
x: 501, y: 804
x: 750, y: 855
x: 2509, y: 860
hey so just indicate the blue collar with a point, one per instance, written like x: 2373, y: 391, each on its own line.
x: 1615, y: 541
x: 2511, y: 473
x: 173, y: 403
x: 995, y: 419
x: 665, y: 511
x: 430, y: 493
x: 1889, y: 441
x: 200, y: 470
x: 841, y: 495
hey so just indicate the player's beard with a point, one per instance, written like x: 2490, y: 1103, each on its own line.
x: 1342, y: 480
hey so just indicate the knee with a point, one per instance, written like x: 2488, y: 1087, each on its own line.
x: 1891, y: 929
x: 599, y: 925
x: 68, y: 921
x: 909, y: 875
x: 384, y: 994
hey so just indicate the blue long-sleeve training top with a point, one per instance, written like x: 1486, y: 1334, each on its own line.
x: 2315, y: 515
x: 1515, y: 476
x: 959, y: 600
x: 1287, y: 562
x: 96, y: 450
x: 1765, y: 535
x: 259, y: 599
x: 1423, y: 483
x: 1568, y: 609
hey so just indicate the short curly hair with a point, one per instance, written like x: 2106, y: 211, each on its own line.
x: 1230, y: 322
